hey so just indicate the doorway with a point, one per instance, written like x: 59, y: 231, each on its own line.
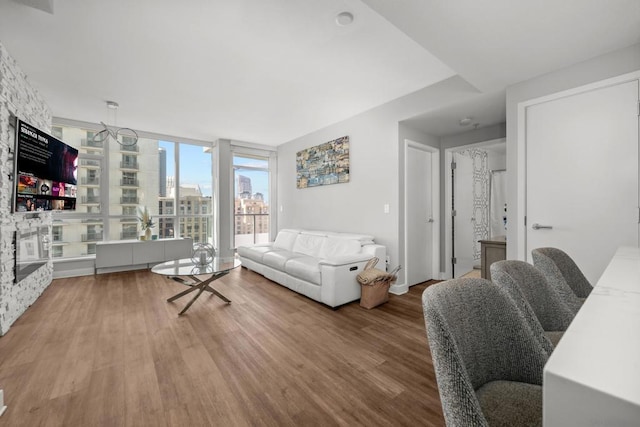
x: 474, y: 188
x: 422, y: 203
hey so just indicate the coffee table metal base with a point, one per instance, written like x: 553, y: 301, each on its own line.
x: 200, y: 286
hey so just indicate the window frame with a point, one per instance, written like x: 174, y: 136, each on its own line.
x: 105, y: 217
x: 270, y: 169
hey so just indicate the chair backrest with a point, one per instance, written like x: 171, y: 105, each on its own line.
x: 545, y: 258
x: 476, y: 335
x: 530, y: 290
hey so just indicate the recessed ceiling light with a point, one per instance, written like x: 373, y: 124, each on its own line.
x: 344, y: 18
x: 465, y: 121
x: 112, y: 105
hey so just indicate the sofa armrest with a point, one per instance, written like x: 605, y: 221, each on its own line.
x: 339, y: 284
x: 345, y: 259
x: 376, y: 250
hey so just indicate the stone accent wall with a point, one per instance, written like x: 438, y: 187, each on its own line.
x: 17, y: 98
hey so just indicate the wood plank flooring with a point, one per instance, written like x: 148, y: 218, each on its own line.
x: 108, y: 350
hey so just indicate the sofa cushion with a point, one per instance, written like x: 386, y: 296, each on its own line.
x: 277, y: 259
x: 315, y: 232
x: 305, y: 268
x: 334, y: 247
x: 254, y: 253
x: 285, y: 239
x: 364, y: 239
x: 308, y: 244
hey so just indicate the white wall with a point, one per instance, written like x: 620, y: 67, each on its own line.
x: 357, y: 206
x: 606, y: 66
x: 497, y: 161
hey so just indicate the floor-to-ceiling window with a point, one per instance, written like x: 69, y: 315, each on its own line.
x: 172, y: 179
x: 186, y: 207
x: 251, y: 199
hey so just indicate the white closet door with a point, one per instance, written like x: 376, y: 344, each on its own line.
x: 582, y: 175
x: 419, y: 216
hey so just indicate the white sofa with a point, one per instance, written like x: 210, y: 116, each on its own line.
x: 319, y: 264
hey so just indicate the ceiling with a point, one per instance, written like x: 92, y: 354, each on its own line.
x: 484, y: 110
x: 268, y: 71
x: 496, y: 43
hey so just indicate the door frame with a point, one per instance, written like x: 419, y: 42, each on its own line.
x: 435, y: 207
x: 448, y: 157
x: 521, y: 156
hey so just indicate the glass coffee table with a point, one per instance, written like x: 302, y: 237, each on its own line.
x: 181, y: 268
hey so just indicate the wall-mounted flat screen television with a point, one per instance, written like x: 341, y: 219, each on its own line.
x: 45, y: 171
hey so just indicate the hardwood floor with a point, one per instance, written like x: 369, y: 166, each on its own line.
x: 109, y: 350
x: 473, y: 274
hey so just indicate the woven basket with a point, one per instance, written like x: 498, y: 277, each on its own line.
x: 369, y: 275
x: 375, y: 294
x: 375, y: 284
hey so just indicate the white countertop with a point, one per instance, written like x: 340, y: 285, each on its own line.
x: 120, y: 242
x: 593, y: 376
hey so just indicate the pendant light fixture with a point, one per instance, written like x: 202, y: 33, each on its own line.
x: 123, y: 136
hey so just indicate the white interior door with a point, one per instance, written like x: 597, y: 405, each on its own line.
x: 463, y: 219
x: 582, y: 175
x: 419, y: 215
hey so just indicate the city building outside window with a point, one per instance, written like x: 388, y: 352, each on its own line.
x: 56, y: 233
x: 129, y: 210
x: 115, y: 180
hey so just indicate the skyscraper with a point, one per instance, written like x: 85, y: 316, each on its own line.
x: 244, y: 187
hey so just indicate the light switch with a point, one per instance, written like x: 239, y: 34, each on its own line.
x: 386, y: 208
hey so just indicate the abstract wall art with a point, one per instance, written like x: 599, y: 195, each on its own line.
x: 323, y: 164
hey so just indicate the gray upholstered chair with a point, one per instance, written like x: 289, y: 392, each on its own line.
x: 558, y: 267
x: 487, y: 359
x: 538, y: 300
